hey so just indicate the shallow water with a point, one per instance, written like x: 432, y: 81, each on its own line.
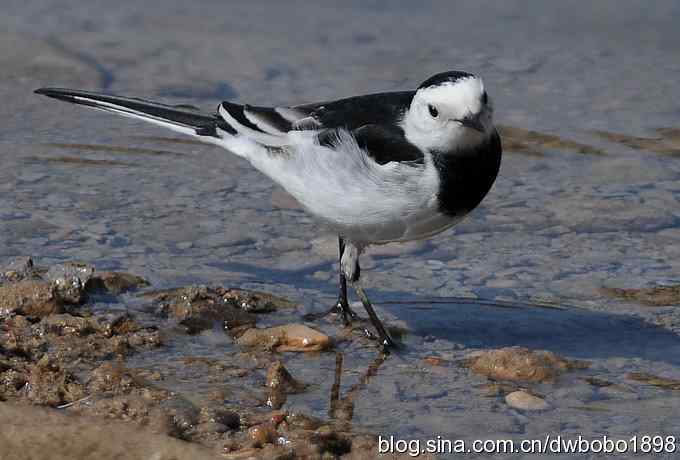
x: 558, y: 225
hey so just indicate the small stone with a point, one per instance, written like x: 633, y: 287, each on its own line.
x: 69, y: 280
x: 290, y: 337
x: 435, y: 361
x: 524, y: 401
x: 262, y: 434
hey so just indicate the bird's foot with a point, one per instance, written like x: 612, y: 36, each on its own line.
x: 343, y: 308
x: 386, y: 342
x: 339, y: 308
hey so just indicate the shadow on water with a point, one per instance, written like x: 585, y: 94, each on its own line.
x: 572, y: 331
x: 564, y: 329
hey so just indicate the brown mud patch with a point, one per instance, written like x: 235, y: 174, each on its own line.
x: 658, y: 296
x: 518, y: 364
x: 61, y: 351
x: 536, y: 143
x: 666, y: 143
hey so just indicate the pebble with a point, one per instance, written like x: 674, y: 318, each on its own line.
x: 524, y: 401
x: 289, y: 337
x: 69, y: 280
x: 262, y: 434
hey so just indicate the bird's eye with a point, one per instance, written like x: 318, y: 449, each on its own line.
x: 485, y: 98
x: 433, y: 110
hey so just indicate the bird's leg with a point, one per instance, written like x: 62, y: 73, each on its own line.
x: 349, y: 266
x: 342, y: 305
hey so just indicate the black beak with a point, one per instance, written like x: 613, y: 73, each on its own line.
x: 472, y: 122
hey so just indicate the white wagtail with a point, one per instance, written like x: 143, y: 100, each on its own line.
x: 377, y: 168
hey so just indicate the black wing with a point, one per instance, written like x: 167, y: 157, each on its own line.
x: 350, y: 113
x: 354, y: 112
x: 383, y: 143
x: 372, y: 119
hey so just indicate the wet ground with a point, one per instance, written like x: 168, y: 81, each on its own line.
x: 574, y: 251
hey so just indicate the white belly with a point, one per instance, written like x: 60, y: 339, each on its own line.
x: 413, y: 227
x: 362, y: 200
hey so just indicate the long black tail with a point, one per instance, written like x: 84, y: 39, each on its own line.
x: 178, y: 118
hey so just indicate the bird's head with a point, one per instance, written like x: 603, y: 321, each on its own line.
x: 450, y: 110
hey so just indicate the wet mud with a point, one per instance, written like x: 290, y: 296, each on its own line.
x: 57, y: 352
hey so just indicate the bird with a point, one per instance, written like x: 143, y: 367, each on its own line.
x: 376, y: 168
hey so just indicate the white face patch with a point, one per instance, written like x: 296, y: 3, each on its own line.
x: 433, y: 121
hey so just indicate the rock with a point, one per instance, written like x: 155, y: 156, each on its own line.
x: 198, y: 308
x: 30, y: 298
x: 64, y: 323
x: 69, y: 279
x: 524, y: 401
x: 115, y: 283
x: 262, y: 434
x: 520, y: 364
x: 117, y: 324
x: 289, y: 337
x: 255, y: 301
